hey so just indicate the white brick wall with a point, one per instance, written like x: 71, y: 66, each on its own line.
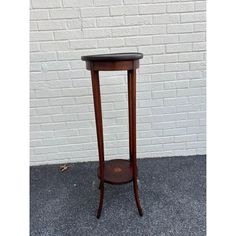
x: 171, y: 80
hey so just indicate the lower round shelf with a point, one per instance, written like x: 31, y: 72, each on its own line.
x: 117, y: 171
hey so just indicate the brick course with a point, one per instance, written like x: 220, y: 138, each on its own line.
x: 170, y: 85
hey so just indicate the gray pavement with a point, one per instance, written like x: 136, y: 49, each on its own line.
x: 172, y: 192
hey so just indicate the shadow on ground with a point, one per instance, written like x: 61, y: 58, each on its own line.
x: 172, y: 193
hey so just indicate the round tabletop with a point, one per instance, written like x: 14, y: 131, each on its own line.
x: 113, y: 57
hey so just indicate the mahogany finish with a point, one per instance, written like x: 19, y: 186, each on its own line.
x: 112, y: 65
x: 116, y: 171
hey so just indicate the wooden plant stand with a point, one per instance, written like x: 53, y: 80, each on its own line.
x: 116, y: 171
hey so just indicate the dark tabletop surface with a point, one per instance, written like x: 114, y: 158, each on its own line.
x: 113, y: 57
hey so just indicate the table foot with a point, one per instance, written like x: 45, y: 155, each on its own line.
x: 101, y: 187
x: 135, y: 184
x: 140, y: 211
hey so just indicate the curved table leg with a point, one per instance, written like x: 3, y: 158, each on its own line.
x: 101, y: 187
x: 98, y: 117
x: 132, y: 133
x: 135, y: 184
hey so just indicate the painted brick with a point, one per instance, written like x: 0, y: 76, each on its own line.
x: 166, y: 58
x: 180, y: 28
x: 111, y: 43
x: 52, y: 25
x: 81, y: 44
x: 46, y: 4
x: 176, y: 67
x: 39, y: 103
x: 89, y: 23
x: 188, y: 57
x: 68, y: 34
x: 74, y: 24
x: 61, y: 101
x: 48, y: 110
x: 155, y: 68
x: 156, y: 29
x: 74, y: 92
x: 100, y: 33
x: 42, y: 56
x: 171, y: 80
x: 175, y: 101
x: 107, y: 2
x: 175, y: 132
x: 197, y: 66
x: 165, y: 39
x: 193, y: 37
x: 125, y: 31
x: 189, y: 75
x: 76, y: 3
x: 47, y: 93
x: 184, y: 47
x: 55, y: 66
x: 39, y: 14
x: 138, y: 20
x: 200, y: 6
x: 35, y: 67
x: 152, y: 9
x: 199, y: 46
x: 166, y: 19
x: 68, y: 55
x: 33, y: 26
x: 197, y: 83
x: 160, y: 49
x: 54, y: 46
x: 199, y: 27
x: 63, y: 13
x: 40, y: 120
x: 193, y: 17
x: 94, y: 12
x: 41, y: 36
x: 43, y: 76
x: 180, y: 7
x: 188, y: 92
x: 138, y: 41
x: 110, y: 21
x: 124, y: 10
x: 164, y: 94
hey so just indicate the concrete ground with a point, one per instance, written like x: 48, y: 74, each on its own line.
x: 172, y: 192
